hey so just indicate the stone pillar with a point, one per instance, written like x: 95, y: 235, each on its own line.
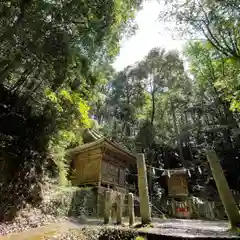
x: 119, y: 200
x: 223, y: 189
x: 189, y: 202
x: 96, y: 191
x: 131, y: 209
x: 173, y: 208
x: 145, y: 210
x: 107, y: 206
x: 211, y: 209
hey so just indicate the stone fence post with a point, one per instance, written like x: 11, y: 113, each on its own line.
x: 131, y: 209
x: 119, y: 208
x: 107, y: 206
x: 145, y: 211
x: 223, y: 189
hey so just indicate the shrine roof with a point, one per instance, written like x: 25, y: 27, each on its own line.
x: 103, y: 142
x: 177, y: 171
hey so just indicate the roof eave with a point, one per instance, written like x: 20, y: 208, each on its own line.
x: 83, y: 147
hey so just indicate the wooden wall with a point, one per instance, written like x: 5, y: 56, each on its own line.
x: 114, y: 166
x: 87, y: 167
x: 177, y: 185
x: 113, y: 173
x: 100, y: 164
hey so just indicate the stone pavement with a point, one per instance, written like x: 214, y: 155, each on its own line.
x: 174, y: 228
x: 184, y: 228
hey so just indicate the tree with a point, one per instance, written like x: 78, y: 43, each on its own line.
x: 54, y: 57
x: 182, y: 114
x: 215, y: 113
x: 138, y: 99
x: 216, y: 21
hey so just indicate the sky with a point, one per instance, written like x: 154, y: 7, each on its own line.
x: 151, y: 33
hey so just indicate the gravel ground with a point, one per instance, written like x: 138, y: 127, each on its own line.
x: 70, y: 235
x: 94, y: 233
x: 82, y: 229
x: 91, y: 233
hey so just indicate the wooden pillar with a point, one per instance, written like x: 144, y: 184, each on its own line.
x: 145, y: 211
x: 131, y: 209
x: 223, y: 189
x: 119, y: 200
x: 107, y: 206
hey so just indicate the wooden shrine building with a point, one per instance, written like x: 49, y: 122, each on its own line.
x: 178, y: 191
x: 176, y: 182
x: 101, y: 163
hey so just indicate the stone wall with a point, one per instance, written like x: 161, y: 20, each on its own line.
x: 70, y: 201
x: 83, y: 202
x: 100, y: 198
x: 73, y: 201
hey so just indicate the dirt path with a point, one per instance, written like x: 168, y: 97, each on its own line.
x: 45, y: 232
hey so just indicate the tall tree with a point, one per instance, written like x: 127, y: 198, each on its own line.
x: 216, y: 21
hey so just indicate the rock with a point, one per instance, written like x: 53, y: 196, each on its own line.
x: 82, y: 219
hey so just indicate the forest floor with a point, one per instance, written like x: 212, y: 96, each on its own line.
x: 76, y: 229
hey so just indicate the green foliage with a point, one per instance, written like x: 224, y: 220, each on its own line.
x: 56, y: 80
x: 216, y: 21
x: 24, y: 143
x: 72, y: 114
x: 54, y: 58
x: 214, y: 66
x: 139, y: 238
x: 176, y: 115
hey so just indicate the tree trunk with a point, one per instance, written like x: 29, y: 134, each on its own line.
x: 223, y: 189
x: 9, y: 67
x: 150, y: 162
x: 153, y: 107
x: 177, y: 132
x: 21, y: 80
